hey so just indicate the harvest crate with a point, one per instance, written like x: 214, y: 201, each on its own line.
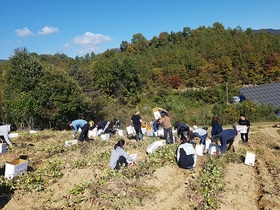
x: 15, y: 168
x: 70, y: 142
x: 105, y: 137
x: 250, y: 158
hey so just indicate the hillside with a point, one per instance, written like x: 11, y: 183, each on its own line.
x: 78, y: 177
x: 269, y: 30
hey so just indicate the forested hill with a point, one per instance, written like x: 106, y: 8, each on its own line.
x: 272, y: 31
x: 52, y: 88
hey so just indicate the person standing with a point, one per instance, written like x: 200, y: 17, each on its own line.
x: 119, y: 156
x: 167, y: 128
x: 136, y: 123
x: 244, y: 135
x: 83, y: 125
x: 216, y: 126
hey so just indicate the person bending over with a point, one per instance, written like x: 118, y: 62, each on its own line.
x: 5, y: 129
x: 83, y: 125
x: 202, y: 134
x: 182, y: 129
x: 227, y: 136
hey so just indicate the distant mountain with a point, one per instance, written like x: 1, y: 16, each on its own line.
x: 269, y: 30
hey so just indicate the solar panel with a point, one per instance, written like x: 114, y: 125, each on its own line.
x: 264, y: 94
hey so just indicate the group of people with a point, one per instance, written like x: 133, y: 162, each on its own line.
x: 185, y: 152
x: 83, y: 126
x: 164, y: 121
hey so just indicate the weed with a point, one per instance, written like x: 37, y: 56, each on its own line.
x: 209, y: 182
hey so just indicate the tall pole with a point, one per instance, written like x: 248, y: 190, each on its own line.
x: 227, y: 91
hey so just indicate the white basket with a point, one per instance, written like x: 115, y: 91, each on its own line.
x: 199, y: 149
x: 155, y: 145
x: 92, y: 133
x: 250, y: 158
x: 241, y: 128
x: 13, y: 135
x: 105, y: 137
x: 32, y: 131
x: 15, y: 168
x: 207, y: 143
x: 70, y: 142
x: 130, y: 130
x: 120, y: 133
x: 214, y: 149
x: 160, y: 132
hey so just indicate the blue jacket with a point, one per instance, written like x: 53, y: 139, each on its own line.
x: 225, y: 137
x: 78, y: 124
x: 217, y: 128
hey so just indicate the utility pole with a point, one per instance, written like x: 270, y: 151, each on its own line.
x: 227, y: 91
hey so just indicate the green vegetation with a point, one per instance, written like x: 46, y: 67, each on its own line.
x: 185, y: 72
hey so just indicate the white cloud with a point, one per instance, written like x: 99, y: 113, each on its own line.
x: 23, y: 32
x: 48, y: 30
x: 90, y: 42
x: 90, y: 39
x: 66, y: 46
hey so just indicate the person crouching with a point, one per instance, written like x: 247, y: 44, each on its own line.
x: 185, y: 154
x: 119, y: 156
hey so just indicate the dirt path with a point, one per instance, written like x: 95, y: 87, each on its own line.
x: 171, y: 184
x: 255, y: 187
x: 241, y: 188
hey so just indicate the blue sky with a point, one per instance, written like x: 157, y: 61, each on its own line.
x: 79, y: 27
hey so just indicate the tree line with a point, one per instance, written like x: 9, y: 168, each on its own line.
x: 180, y: 71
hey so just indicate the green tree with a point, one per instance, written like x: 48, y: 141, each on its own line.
x: 20, y: 99
x: 60, y: 98
x: 39, y: 96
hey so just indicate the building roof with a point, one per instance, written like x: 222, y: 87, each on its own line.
x: 264, y: 94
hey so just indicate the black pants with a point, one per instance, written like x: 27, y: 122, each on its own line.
x: 121, y: 160
x: 245, y: 136
x: 84, y: 133
x: 139, y: 134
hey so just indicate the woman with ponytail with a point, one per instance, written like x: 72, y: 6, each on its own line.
x: 119, y: 156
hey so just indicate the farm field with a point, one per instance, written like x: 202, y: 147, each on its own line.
x: 79, y: 177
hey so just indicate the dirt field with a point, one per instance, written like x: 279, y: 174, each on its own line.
x: 78, y: 177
